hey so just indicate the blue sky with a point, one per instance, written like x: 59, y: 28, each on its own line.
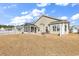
x: 19, y: 13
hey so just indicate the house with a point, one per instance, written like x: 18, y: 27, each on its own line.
x: 46, y: 24
x: 74, y: 29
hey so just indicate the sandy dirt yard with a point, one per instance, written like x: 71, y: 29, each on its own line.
x: 39, y: 45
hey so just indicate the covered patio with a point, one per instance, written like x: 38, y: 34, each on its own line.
x: 30, y: 28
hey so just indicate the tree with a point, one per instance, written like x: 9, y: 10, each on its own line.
x: 6, y: 26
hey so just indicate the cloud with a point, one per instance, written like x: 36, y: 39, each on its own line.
x: 9, y: 6
x: 19, y: 20
x: 73, y: 22
x: 42, y: 4
x: 37, y: 12
x: 24, y: 12
x: 74, y: 4
x: 64, y: 17
x: 66, y: 3
x: 75, y: 17
x: 62, y: 4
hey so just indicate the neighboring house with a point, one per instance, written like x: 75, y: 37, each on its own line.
x: 19, y: 28
x: 74, y: 29
x: 47, y: 24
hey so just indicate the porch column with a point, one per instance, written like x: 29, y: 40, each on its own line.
x: 56, y: 27
x: 29, y: 28
x: 67, y: 29
x: 62, y: 31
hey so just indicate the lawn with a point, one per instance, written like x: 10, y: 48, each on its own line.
x: 39, y: 45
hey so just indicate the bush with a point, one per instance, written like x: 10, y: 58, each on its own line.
x: 59, y: 34
x: 43, y: 33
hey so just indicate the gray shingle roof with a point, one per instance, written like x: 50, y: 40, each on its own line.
x: 59, y: 22
x: 47, y: 17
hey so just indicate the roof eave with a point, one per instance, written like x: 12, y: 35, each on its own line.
x: 47, y: 17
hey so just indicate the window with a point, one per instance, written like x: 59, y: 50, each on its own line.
x: 54, y: 28
x: 38, y: 29
x: 65, y: 28
x: 47, y: 30
x: 58, y: 28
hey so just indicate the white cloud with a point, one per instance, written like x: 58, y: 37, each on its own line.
x: 73, y: 22
x: 24, y: 12
x: 65, y: 3
x: 62, y: 4
x: 64, y: 17
x: 74, y: 4
x: 75, y: 17
x: 19, y: 20
x: 37, y: 12
x: 42, y: 4
x: 13, y: 5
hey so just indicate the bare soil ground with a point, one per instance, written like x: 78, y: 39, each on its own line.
x: 39, y: 45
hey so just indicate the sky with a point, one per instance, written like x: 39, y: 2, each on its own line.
x: 20, y: 13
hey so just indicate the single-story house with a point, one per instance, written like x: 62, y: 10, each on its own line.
x: 46, y: 24
x: 74, y: 29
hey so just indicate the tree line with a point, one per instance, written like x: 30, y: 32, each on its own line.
x: 6, y: 26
